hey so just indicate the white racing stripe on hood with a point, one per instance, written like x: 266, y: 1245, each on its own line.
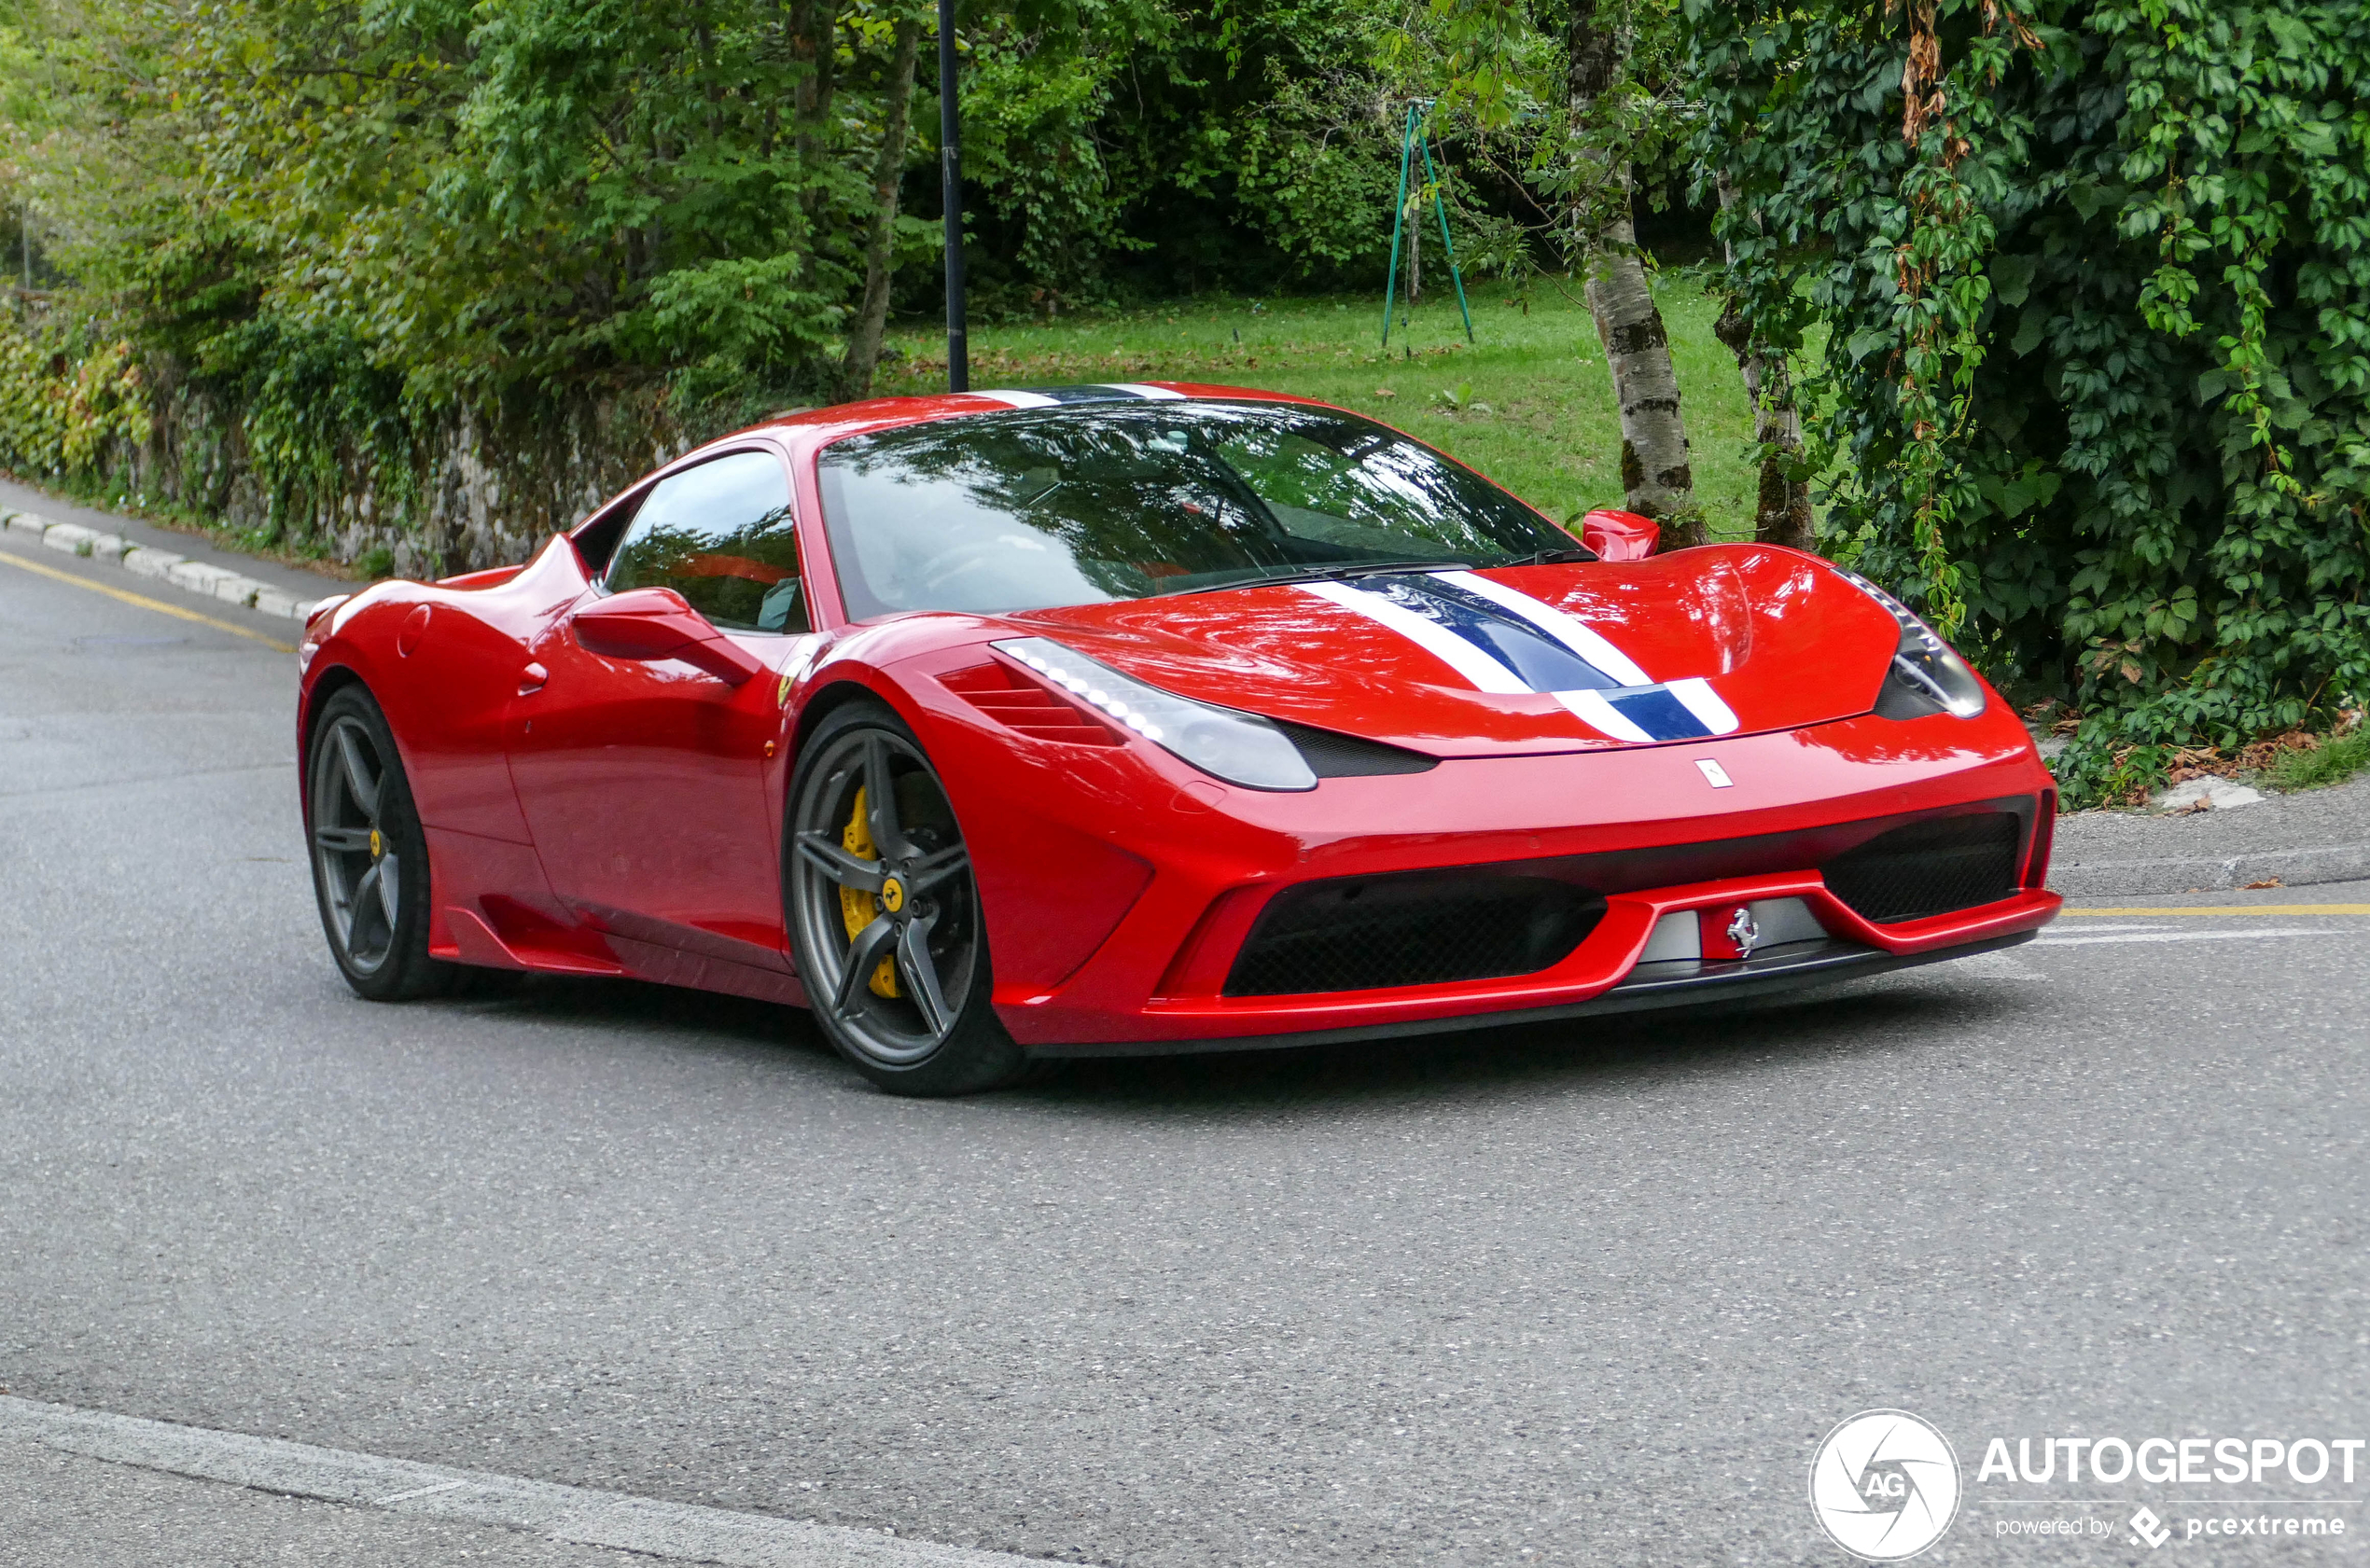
x: 1591, y: 709
x: 1019, y: 399
x: 1622, y: 712
x: 1482, y: 669
x: 1142, y: 389
x: 1574, y: 633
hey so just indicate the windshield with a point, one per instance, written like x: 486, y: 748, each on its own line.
x: 1030, y: 510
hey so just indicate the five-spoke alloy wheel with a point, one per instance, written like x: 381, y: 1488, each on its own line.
x: 369, y: 857
x: 884, y: 917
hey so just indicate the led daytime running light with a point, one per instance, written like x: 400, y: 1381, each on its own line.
x: 1923, y: 662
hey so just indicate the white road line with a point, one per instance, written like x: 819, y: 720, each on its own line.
x: 2190, y: 937
x: 418, y: 1492
x: 1989, y: 967
x: 683, y: 1532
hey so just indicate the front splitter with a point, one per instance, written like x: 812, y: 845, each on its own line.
x: 1802, y: 967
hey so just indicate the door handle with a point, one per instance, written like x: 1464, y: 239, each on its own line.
x: 530, y: 679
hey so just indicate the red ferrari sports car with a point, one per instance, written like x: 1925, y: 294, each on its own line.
x: 1141, y: 718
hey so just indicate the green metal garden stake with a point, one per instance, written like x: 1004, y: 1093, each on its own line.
x: 1440, y: 206
x: 1398, y: 219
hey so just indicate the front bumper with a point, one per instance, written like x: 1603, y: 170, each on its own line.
x: 1120, y: 885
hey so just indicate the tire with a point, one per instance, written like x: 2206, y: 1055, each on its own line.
x: 369, y: 857
x: 883, y: 912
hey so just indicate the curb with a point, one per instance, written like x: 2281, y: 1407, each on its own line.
x: 193, y: 577
x: 620, y: 1521
x: 2339, y: 862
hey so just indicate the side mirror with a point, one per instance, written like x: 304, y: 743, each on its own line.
x: 655, y: 623
x: 1620, y: 536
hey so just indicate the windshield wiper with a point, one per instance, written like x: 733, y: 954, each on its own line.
x: 1552, y: 556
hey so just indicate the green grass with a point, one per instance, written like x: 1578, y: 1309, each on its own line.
x: 1551, y: 433
x: 2333, y: 762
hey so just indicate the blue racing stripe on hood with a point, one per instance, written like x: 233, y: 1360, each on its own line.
x: 1499, y: 649
x: 1530, y: 653
x: 1659, y: 713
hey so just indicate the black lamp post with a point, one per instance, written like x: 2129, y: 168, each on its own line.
x: 950, y: 140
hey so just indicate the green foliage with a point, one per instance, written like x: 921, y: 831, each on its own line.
x: 1499, y: 70
x: 1150, y: 146
x: 343, y: 234
x: 2331, y: 763
x: 65, y: 395
x: 2098, y: 365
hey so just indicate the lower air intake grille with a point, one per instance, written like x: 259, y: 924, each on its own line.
x: 1929, y: 867
x: 1426, y: 928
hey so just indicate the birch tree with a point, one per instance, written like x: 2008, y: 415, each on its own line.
x: 1579, y: 103
x: 1655, y: 472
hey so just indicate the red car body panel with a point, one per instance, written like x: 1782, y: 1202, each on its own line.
x: 595, y: 814
x: 1756, y: 622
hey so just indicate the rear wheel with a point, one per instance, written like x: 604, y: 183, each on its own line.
x: 369, y: 857
x: 885, y: 916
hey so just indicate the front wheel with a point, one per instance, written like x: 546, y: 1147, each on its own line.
x: 884, y: 914
x: 369, y: 854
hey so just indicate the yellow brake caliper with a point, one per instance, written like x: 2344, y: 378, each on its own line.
x: 860, y: 909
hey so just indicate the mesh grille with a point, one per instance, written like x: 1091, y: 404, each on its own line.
x: 1929, y: 867
x: 1428, y: 928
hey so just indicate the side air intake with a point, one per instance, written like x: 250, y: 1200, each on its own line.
x: 1020, y: 703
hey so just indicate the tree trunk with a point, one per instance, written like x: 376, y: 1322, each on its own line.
x: 1781, y: 514
x: 814, y: 44
x: 1656, y: 473
x: 880, y: 245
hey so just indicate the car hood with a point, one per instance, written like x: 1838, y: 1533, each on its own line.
x: 1702, y: 642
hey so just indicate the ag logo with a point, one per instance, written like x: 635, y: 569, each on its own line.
x: 1885, y: 1485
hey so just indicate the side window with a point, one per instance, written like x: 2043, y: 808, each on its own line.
x: 719, y: 535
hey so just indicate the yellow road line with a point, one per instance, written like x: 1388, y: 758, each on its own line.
x: 2236, y: 910
x: 147, y: 604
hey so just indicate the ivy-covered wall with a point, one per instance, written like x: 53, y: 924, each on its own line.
x: 2095, y: 280
x: 414, y: 492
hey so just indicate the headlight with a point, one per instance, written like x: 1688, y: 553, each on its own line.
x: 1240, y: 748
x: 1927, y: 676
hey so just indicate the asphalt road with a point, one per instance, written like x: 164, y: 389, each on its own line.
x: 1577, y: 1294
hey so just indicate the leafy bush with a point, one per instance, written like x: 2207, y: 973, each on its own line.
x: 2097, y: 364
x: 65, y: 395
x: 340, y: 243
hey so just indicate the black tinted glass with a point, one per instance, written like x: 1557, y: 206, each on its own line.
x: 998, y: 512
x: 719, y: 535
